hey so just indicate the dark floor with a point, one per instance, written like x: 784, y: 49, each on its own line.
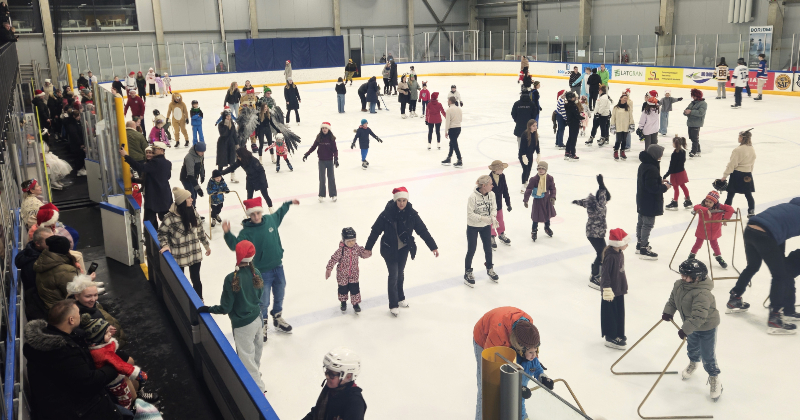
x: 76, y: 188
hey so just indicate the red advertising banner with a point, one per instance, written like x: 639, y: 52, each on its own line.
x: 753, y: 81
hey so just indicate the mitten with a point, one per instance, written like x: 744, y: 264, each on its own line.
x: 613, y: 129
x: 141, y: 377
x: 608, y: 294
x: 576, y: 202
x: 202, y: 310
x: 509, y: 208
x: 681, y: 334
x: 353, y: 146
x: 525, y: 160
x: 526, y: 392
x: 546, y: 381
x: 336, y: 161
x: 666, y: 317
x: 526, y: 204
x: 305, y: 157
x: 199, y: 190
x: 379, y: 139
x: 461, y: 104
x: 552, y: 200
x: 600, y: 181
x: 639, y: 132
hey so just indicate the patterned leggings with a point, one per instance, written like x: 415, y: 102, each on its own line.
x: 354, y: 291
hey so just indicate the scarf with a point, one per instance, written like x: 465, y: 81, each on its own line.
x: 322, y: 401
x: 496, y: 178
x: 542, y: 187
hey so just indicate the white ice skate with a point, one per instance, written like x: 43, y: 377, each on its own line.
x: 333, y: 198
x: 687, y: 373
x: 395, y: 312
x: 321, y: 199
x: 715, y: 387
x: 233, y: 178
x: 273, y: 158
x: 403, y: 304
x: 524, y: 186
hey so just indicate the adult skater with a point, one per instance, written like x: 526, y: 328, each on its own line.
x: 413, y: 91
x: 433, y: 118
x: 721, y: 76
x: 740, y: 80
x: 403, y: 95
x: 765, y: 240
x: 264, y: 131
x: 695, y: 114
x: 528, y: 145
x: 193, y: 169
x: 521, y: 112
x: 604, y: 75
x: 397, y: 222
x: 595, y: 83
x: 232, y: 98
x: 574, y: 80
x: 740, y: 169
x: 761, y: 74
x: 452, y: 129
x: 349, y: 70
x: 287, y: 70
x: 650, y: 189
x: 386, y: 73
x: 362, y: 94
x: 340, y: 398
x: 328, y: 156
x: 523, y: 66
x: 227, y: 143
x: 262, y: 230
x: 574, y: 119
x: 151, y: 81
x: 602, y: 116
x: 508, y: 327
x: 481, y: 219
x: 292, y: 97
x: 372, y: 94
x: 255, y: 177
x: 393, y: 75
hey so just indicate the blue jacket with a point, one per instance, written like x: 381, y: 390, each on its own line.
x: 762, y: 69
x: 533, y: 368
x: 197, y: 117
x: 781, y: 221
x: 216, y: 190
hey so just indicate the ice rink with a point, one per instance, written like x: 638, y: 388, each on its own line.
x: 421, y: 365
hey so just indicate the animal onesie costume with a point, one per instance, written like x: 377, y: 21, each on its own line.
x: 347, y: 271
x: 180, y: 116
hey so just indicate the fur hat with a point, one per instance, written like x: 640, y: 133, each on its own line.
x: 47, y: 215
x: 95, y: 328
x: 713, y: 196
x: 400, y: 192
x: 253, y: 205
x: 498, y: 164
x: 180, y: 195
x: 245, y: 251
x: 325, y: 124
x: 618, y: 238
x: 58, y: 244
x: 527, y: 334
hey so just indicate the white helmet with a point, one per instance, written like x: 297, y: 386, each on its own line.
x: 343, y: 361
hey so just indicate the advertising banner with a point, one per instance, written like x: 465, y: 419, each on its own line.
x: 796, y: 84
x: 752, y: 81
x: 699, y: 77
x: 760, y: 43
x: 671, y: 76
x: 628, y: 73
x: 783, y: 82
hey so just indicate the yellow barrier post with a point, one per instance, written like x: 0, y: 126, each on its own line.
x: 69, y: 76
x: 490, y: 379
x: 123, y: 143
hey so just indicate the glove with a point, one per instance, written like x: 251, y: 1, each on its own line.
x: 552, y: 200
x: 546, y: 381
x: 681, y: 334
x: 305, y: 157
x: 639, y: 132
x: 336, y: 162
x: 666, y: 317
x: 461, y: 104
x: 526, y: 392
x: 613, y: 129
x: 608, y: 295
x: 679, y: 99
x: 525, y: 160
x: 509, y: 209
x: 576, y: 202
x: 600, y: 182
x: 631, y: 128
x: 198, y: 190
x: 187, y: 121
x: 526, y: 204
x: 202, y: 310
x: 379, y: 139
x: 141, y: 377
x: 353, y: 146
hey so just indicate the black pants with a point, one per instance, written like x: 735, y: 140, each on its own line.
x: 453, y: 134
x: 396, y: 266
x: 363, y: 98
x: 430, y: 132
x: 403, y: 108
x: 602, y: 122
x: 472, y: 243
x: 612, y: 318
x: 262, y: 134
x: 194, y: 276
x: 296, y: 115
x: 216, y: 209
x: 751, y: 204
x: 599, y: 244
x: 150, y: 216
x: 592, y: 99
x: 264, y: 194
x: 386, y: 88
x: 573, y: 138
x: 152, y: 89
x: 761, y: 246
x: 622, y: 137
x: 526, y: 169
x: 412, y: 106
x: 737, y: 96
x: 535, y: 227
x: 694, y: 136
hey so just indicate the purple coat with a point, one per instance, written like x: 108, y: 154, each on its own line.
x: 542, y: 209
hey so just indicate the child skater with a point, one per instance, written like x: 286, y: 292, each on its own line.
x: 160, y: 85
x: 217, y: 188
x: 595, y: 205
x: 543, y: 189
x: 583, y: 108
x: 362, y: 135
x: 424, y: 96
x: 711, y: 209
x: 281, y: 151
x: 615, y: 287
x: 692, y: 297
x: 167, y: 83
x: 528, y: 145
x: 500, y: 189
x: 650, y: 120
x: 347, y: 272
x: 159, y: 132
x: 666, y: 106
x: 197, y: 122
x: 677, y: 173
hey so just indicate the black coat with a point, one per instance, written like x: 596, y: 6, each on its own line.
x: 594, y: 82
x: 372, y: 90
x: 226, y: 144
x: 83, y: 82
x: 292, y: 96
x: 573, y: 115
x: 649, y: 188
x: 340, y: 88
x: 24, y: 261
x: 41, y: 106
x: 140, y: 86
x: 522, y: 112
x: 386, y: 224
x: 342, y: 404
x: 157, y: 192
x: 74, y: 133
x: 500, y: 190
x: 117, y: 85
x: 528, y: 150
x: 64, y: 382
x: 54, y: 106
x: 256, y: 178
x: 393, y: 73
x: 362, y: 90
x: 572, y: 78
x: 232, y: 98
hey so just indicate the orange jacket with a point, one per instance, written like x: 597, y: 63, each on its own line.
x: 494, y: 328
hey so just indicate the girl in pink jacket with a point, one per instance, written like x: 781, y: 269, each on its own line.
x: 424, y: 96
x: 158, y: 132
x: 711, y: 209
x: 347, y: 273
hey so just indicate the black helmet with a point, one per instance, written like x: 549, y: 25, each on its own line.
x: 694, y: 268
x: 452, y: 86
x: 741, y: 61
x: 348, y: 233
x: 720, y: 185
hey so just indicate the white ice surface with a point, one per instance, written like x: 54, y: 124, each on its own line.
x: 421, y: 364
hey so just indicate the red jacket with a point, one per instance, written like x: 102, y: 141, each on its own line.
x: 714, y: 229
x: 434, y: 112
x: 105, y: 353
x: 425, y: 95
x: 494, y: 328
x: 347, y: 271
x: 136, y: 104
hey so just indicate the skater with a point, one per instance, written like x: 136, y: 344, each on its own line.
x: 481, y: 220
x: 560, y: 120
x: 721, y: 75
x: 677, y: 174
x: 424, y: 96
x: 393, y: 74
x: 340, y: 398
x: 762, y: 75
x: 649, y: 120
x: 227, y: 143
x: 584, y: 79
x: 130, y: 82
x: 455, y: 95
x: 604, y: 76
x: 255, y: 177
x: 292, y: 97
x: 595, y: 83
x: 196, y: 115
x: 595, y: 205
x: 622, y: 117
x: 614, y: 284
x: 287, y: 70
x: 765, y: 241
x: 583, y: 108
x: 262, y: 230
x: 241, y: 294
x: 167, y: 83
x: 328, y: 156
x: 710, y: 209
x: 500, y: 189
x: 180, y: 117
x: 160, y: 85
x: 535, y: 99
x: 141, y: 85
x: 347, y: 256
x: 575, y: 78
x: 542, y: 187
x: 232, y: 99
x: 264, y: 130
x: 528, y: 145
x: 362, y: 135
x: 523, y: 67
x: 413, y: 89
x: 387, y: 82
x: 216, y: 188
x: 151, y: 81
x: 452, y: 129
x: 740, y: 79
x: 136, y: 105
x: 397, y: 222
x: 691, y: 296
x: 666, y: 106
x: 403, y: 95
x: 281, y: 152
x: 192, y: 170
x: 650, y: 189
x: 372, y: 94
x: 602, y: 116
x: 521, y: 112
x: 574, y: 119
x: 362, y: 95
x: 433, y: 119
x: 341, y: 90
x: 740, y: 169
x: 695, y: 114
x: 349, y: 70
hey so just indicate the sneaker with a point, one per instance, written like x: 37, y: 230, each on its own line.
x: 344, y: 307
x: 458, y: 164
x: 687, y: 373
x: 504, y: 239
x: 622, y: 155
x: 469, y: 279
x: 687, y: 204
x: 321, y: 199
x: 736, y: 304
x: 616, y: 155
x: 264, y: 328
x: 594, y: 282
x: 672, y: 206
x: 357, y: 308
x: 721, y: 262
x: 279, y: 323
x: 446, y: 162
x: 645, y: 253
x: 494, y: 244
x: 150, y: 397
x: 715, y: 387
x: 492, y: 275
x: 663, y: 134
x: 616, y: 343
x: 403, y: 304
x: 776, y: 326
x: 548, y: 231
x: 394, y: 311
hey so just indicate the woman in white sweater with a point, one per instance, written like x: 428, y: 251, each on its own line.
x: 602, y: 115
x: 481, y: 217
x: 740, y: 170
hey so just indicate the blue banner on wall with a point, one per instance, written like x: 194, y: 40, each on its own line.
x: 304, y: 53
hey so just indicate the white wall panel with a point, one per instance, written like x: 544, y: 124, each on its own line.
x: 295, y: 14
x: 190, y: 15
x: 236, y: 14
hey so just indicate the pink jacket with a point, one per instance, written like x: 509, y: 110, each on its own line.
x: 157, y: 134
x: 714, y: 229
x: 347, y: 257
x: 424, y: 95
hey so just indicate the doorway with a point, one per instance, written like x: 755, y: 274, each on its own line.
x: 355, y: 55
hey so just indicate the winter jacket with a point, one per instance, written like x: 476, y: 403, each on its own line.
x: 604, y: 76
x: 177, y: 109
x: 226, y: 145
x: 453, y: 117
x: 193, y: 169
x: 292, y: 97
x: 287, y: 71
x: 130, y: 83
x: 265, y: 237
x: 522, y: 112
x: 721, y: 74
x: 74, y: 130
x: 714, y: 229
x: 740, y: 76
x: 762, y: 69
x: 676, y: 163
x: 158, y: 134
x: 413, y: 89
x: 141, y: 84
x: 242, y: 306
x: 603, y: 105
x: 232, y: 97
x: 386, y: 72
x: 573, y: 78
x: 402, y: 92
x: 542, y: 209
x: 255, y: 176
x: 64, y: 383
x: 613, y: 275
x: 362, y: 135
x: 528, y: 150
x: 523, y: 63
x: 621, y: 118
x: 29, y: 210
x: 424, y: 95
x: 698, y: 114
x: 41, y: 108
x: 350, y: 67
x: 434, y: 112
x: 362, y: 90
x: 342, y: 403
x: 372, y: 90
x: 595, y: 205
x: 594, y: 82
x: 104, y: 354
x: 347, y: 258
x: 53, y: 272
x: 326, y: 147
x: 136, y: 104
x: 481, y: 209
x: 455, y: 95
x: 560, y: 107
x: 216, y: 191
x: 117, y: 85
x: 136, y: 145
x: 781, y: 221
x: 650, y: 123
x: 196, y: 115
x: 500, y: 190
x: 743, y: 158
x: 574, y: 117
x: 695, y: 303
x: 150, y: 77
x: 649, y: 188
x: 667, y: 101
x: 160, y: 84
x: 83, y: 82
x: 24, y: 262
x: 157, y: 192
x: 340, y: 88
x: 495, y: 327
x: 183, y: 245
x: 280, y: 150
x: 398, y: 227
x: 393, y: 73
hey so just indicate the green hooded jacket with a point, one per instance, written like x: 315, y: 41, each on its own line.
x: 265, y: 237
x: 242, y: 306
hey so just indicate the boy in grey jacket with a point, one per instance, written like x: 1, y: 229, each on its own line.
x: 691, y: 296
x: 695, y: 114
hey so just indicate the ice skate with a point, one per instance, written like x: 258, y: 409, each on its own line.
x: 333, y: 198
x: 213, y: 222
x: 81, y: 172
x: 429, y: 146
x: 290, y: 167
x: 273, y: 158
x: 567, y: 157
x: 734, y: 106
x: 622, y: 155
x: 602, y: 142
x: 672, y: 206
x: 750, y: 212
x: 573, y: 158
x: 687, y: 373
x: 492, y: 275
x: 278, y: 167
x: 721, y: 262
x: 716, y: 387
x: 524, y: 187
x: 616, y: 156
x: 56, y: 185
x: 469, y: 279
x: 757, y: 98
x: 357, y: 309
x: 663, y: 134
x: 253, y: 148
x: 687, y: 204
x: 616, y: 343
x: 736, y: 304
x: 458, y: 164
x: 438, y: 146
x: 395, y: 312
x: 280, y: 324
x: 218, y: 219
x: 446, y: 162
x: 594, y: 282
x: 590, y: 141
x: 404, y: 116
x: 261, y: 159
x: 548, y: 231
x: 717, y: 97
x: 264, y: 328
x: 344, y: 307
x: 534, y: 234
x: 504, y: 239
x: 494, y: 244
x: 363, y: 165
x: 403, y: 304
x: 776, y: 326
x: 694, y: 154
x: 233, y: 178
x: 645, y: 253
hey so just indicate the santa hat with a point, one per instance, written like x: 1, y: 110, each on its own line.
x: 39, y: 92
x: 48, y: 215
x: 245, y: 251
x: 653, y: 94
x: 400, y: 192
x: 618, y: 238
x: 325, y: 124
x: 253, y: 205
x: 697, y: 93
x: 713, y: 196
x: 288, y: 61
x: 131, y: 73
x: 560, y: 92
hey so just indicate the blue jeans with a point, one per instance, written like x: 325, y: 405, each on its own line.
x: 664, y: 122
x: 702, y: 345
x: 189, y: 187
x: 364, y: 154
x: 372, y: 107
x: 340, y: 101
x: 479, y: 407
x: 628, y: 141
x: 197, y: 130
x: 234, y: 109
x: 273, y: 279
x: 560, y: 133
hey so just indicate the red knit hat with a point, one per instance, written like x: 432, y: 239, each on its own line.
x: 253, y: 205
x: 560, y: 92
x: 713, y: 196
x: 131, y: 73
x: 618, y: 238
x: 400, y: 192
x: 245, y: 251
x: 48, y: 215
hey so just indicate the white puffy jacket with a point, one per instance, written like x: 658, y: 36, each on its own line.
x: 603, y: 106
x: 481, y: 209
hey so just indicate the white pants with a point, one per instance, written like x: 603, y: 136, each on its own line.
x: 249, y: 345
x: 761, y: 83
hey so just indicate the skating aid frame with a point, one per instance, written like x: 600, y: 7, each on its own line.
x: 737, y: 224
x: 518, y: 367
x: 209, y: 207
